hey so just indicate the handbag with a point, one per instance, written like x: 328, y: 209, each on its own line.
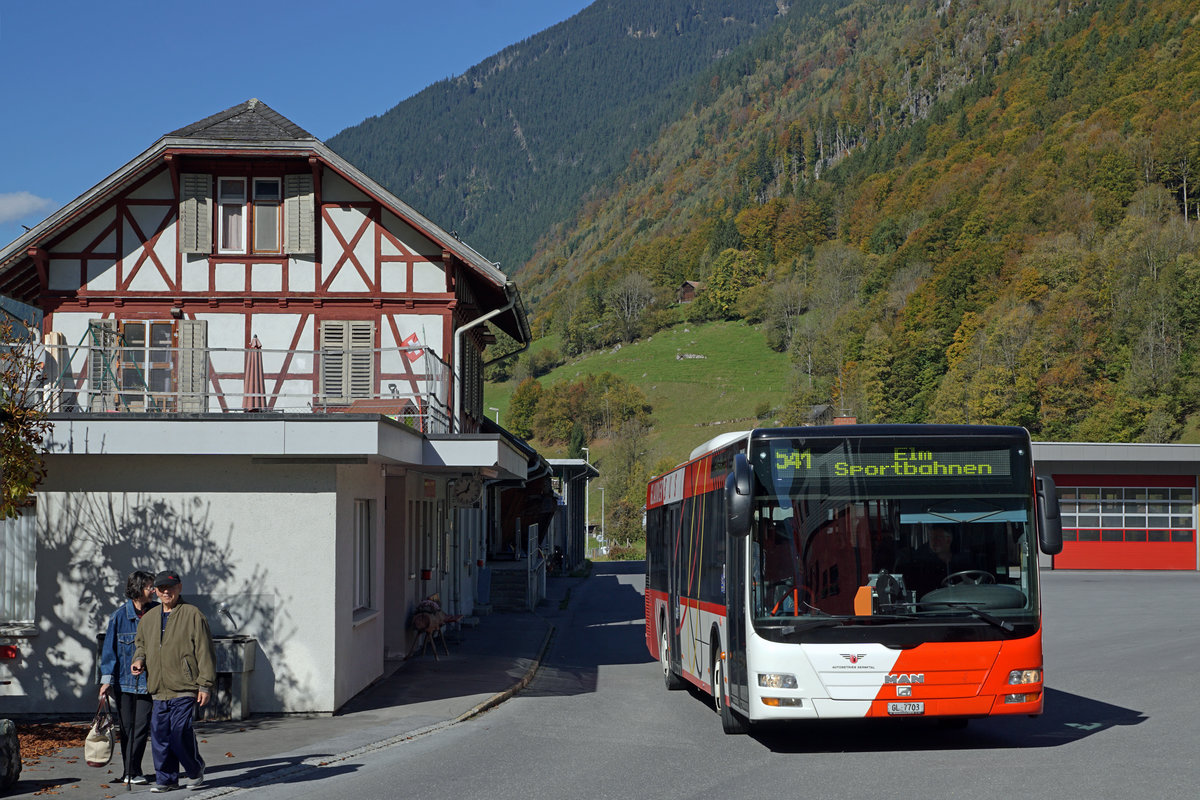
x: 101, y: 738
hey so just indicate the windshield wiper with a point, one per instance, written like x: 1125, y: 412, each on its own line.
x: 790, y: 625
x: 991, y: 619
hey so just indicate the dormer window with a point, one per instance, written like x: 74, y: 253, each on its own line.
x: 250, y: 217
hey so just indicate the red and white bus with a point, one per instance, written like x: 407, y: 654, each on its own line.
x: 852, y: 571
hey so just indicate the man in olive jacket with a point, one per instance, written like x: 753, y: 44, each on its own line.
x: 174, y: 648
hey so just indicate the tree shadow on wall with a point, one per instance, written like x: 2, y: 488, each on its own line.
x: 88, y: 546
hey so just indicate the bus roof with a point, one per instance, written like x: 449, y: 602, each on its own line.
x: 716, y: 443
x: 906, y: 429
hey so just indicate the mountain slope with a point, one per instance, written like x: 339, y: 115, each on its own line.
x: 507, y: 150
x: 961, y: 211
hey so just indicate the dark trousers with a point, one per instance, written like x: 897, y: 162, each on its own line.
x: 135, y: 710
x: 173, y: 741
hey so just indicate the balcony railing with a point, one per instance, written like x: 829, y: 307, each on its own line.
x: 411, y: 384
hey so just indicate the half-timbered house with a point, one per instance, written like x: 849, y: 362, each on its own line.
x: 264, y: 370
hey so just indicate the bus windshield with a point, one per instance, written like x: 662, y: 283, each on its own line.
x: 892, y: 531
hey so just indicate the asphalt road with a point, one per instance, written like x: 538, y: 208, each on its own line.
x: 1122, y: 659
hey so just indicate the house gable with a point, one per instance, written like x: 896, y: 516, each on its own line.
x: 248, y: 223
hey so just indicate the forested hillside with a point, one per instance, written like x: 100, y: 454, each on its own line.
x: 507, y: 150
x: 956, y: 211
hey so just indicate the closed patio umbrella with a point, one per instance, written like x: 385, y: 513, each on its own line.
x: 254, y: 397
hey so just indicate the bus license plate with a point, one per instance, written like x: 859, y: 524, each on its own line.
x: 906, y: 708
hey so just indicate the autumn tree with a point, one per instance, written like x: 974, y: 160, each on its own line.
x: 500, y: 368
x: 732, y: 273
x: 625, y: 478
x: 785, y: 305
x: 23, y: 425
x: 628, y: 299
x: 1179, y: 157
x: 599, y: 403
x: 523, y: 406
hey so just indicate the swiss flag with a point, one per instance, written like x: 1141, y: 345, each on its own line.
x: 412, y: 341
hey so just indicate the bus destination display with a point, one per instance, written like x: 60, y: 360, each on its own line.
x: 789, y: 462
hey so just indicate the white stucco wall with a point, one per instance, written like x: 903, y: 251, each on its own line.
x: 359, y: 644
x: 260, y: 537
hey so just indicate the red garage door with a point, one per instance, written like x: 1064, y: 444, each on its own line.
x: 1127, y: 522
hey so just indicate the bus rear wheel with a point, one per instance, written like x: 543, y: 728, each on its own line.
x: 731, y: 721
x: 670, y: 679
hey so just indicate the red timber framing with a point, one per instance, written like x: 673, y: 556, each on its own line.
x: 139, y: 238
x: 335, y: 247
x: 1124, y: 522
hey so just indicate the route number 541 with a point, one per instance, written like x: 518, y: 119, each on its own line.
x: 795, y: 459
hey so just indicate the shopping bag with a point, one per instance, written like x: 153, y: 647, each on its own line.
x: 101, y: 738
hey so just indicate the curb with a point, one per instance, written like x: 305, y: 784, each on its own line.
x: 500, y: 697
x: 311, y: 764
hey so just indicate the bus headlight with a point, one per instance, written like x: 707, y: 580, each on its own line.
x: 776, y: 680
x: 1022, y: 676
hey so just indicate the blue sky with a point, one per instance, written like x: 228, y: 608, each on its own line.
x: 87, y: 85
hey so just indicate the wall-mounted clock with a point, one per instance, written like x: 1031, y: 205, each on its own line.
x: 467, y: 490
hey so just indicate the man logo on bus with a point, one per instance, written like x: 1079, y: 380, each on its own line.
x: 905, y: 677
x: 853, y: 658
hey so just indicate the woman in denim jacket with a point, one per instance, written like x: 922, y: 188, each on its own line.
x: 129, y: 690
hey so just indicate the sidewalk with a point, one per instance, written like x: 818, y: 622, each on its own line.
x: 487, y: 665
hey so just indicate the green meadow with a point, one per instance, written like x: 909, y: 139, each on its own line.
x: 702, y: 380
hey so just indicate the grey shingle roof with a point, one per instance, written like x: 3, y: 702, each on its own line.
x: 252, y: 120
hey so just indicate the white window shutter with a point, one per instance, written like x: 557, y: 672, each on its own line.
x: 195, y: 213
x: 347, y: 360
x: 192, y: 373
x: 299, y: 214
x: 333, y: 361
x: 362, y: 358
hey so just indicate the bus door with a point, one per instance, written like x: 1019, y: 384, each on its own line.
x: 672, y: 541
x: 736, y: 549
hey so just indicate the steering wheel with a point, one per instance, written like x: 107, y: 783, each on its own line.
x: 973, y: 577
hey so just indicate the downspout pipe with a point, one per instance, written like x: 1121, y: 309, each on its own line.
x: 510, y: 292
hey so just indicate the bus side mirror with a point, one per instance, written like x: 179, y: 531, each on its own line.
x: 738, y: 503
x: 1049, y: 522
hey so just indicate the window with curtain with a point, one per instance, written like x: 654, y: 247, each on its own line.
x: 231, y: 201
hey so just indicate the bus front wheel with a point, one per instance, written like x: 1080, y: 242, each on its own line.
x: 731, y: 721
